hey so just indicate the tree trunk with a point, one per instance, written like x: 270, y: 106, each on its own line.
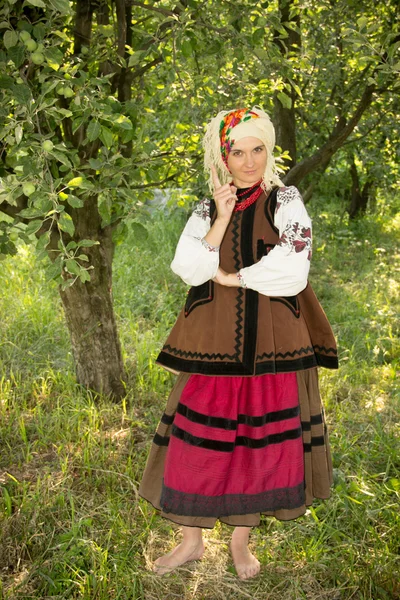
x: 89, y: 313
x: 359, y: 197
x: 284, y: 117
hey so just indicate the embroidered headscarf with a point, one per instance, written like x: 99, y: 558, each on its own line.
x: 229, y: 127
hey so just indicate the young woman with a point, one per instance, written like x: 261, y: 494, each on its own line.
x: 243, y: 433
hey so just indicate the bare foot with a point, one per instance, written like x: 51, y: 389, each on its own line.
x: 180, y: 555
x: 246, y: 564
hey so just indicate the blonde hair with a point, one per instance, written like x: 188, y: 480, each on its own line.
x: 260, y: 127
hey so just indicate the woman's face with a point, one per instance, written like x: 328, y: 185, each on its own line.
x: 247, y: 161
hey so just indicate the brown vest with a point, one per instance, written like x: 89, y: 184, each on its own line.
x: 235, y: 331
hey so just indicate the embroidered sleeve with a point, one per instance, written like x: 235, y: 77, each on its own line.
x: 196, y: 261
x: 293, y: 221
x: 284, y: 270
x: 202, y: 210
x: 286, y: 195
x: 296, y: 238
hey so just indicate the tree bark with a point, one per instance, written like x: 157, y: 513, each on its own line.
x: 284, y: 117
x: 83, y: 24
x: 89, y: 314
x: 359, y: 197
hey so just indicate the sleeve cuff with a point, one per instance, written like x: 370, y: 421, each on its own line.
x: 241, y: 280
x: 208, y: 246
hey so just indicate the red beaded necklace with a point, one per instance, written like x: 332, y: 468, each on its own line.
x: 251, y: 199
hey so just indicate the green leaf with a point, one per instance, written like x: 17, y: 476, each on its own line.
x: 18, y: 134
x: 75, y: 182
x: 22, y: 93
x: 61, y: 157
x: 72, y: 266
x: 120, y: 233
x: 30, y: 213
x: 285, y: 100
x: 105, y: 206
x: 186, y: 48
x: 258, y: 36
x: 362, y: 22
x: 53, y: 270
x: 76, y: 123
x: 95, y: 163
x: 135, y: 58
x: 87, y: 243
x: 54, y: 57
x: 37, y: 3
x: 39, y: 31
x: 62, y: 6
x: 17, y: 55
x: 6, y: 82
x: 123, y: 122
x: 65, y: 112
x: 106, y: 136
x: 10, y: 39
x: 66, y: 223
x: 139, y: 231
x: 84, y: 275
x: 33, y: 226
x: 93, y: 130
x: 8, y: 247
x: 86, y: 184
x: 74, y: 201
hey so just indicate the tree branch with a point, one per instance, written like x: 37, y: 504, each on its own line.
x: 337, y: 138
x: 163, y: 11
x: 142, y: 70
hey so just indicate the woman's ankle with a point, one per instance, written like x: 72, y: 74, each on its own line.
x: 241, y: 535
x: 192, y: 536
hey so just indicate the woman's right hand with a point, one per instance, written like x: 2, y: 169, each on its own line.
x: 224, y: 197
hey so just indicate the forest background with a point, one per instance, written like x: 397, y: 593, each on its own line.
x: 103, y: 106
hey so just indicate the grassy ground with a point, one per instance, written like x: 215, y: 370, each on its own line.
x: 71, y: 523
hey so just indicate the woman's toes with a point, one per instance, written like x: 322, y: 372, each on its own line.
x: 180, y: 555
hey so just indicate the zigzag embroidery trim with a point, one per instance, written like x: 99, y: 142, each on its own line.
x: 325, y: 349
x: 239, y: 304
x: 265, y: 355
x: 308, y: 350
x: 188, y: 354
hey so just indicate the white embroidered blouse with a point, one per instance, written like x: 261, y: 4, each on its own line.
x: 282, y: 272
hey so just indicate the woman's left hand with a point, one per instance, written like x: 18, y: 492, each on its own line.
x: 227, y: 279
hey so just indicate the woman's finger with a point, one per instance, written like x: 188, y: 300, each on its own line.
x: 214, y: 174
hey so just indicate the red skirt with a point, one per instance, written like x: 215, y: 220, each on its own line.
x: 233, y: 448
x: 236, y: 447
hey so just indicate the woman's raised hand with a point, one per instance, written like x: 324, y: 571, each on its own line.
x: 224, y: 196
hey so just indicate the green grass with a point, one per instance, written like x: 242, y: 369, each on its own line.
x: 71, y: 523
